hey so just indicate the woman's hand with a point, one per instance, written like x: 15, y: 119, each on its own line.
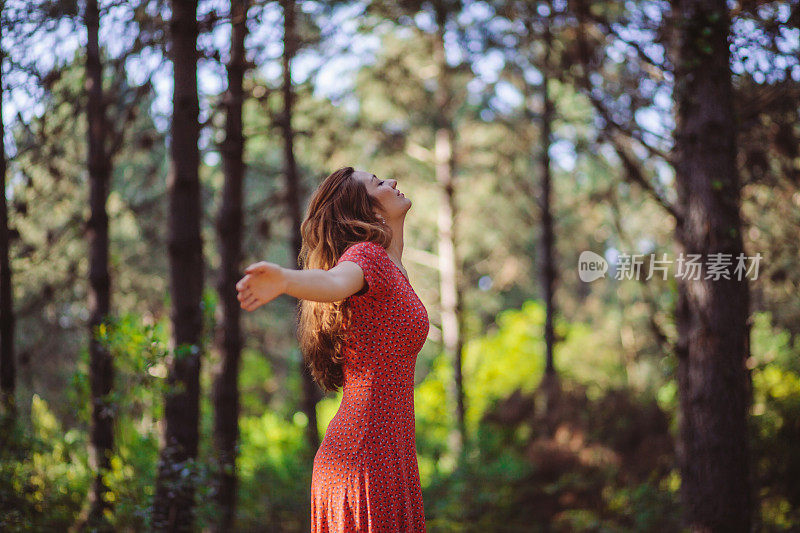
x: 263, y: 283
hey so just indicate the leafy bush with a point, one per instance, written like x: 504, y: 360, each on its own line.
x: 775, y: 423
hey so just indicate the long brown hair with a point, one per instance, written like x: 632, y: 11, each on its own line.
x: 341, y: 212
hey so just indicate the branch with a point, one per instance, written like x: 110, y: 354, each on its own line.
x: 661, y: 337
x: 607, y: 26
x: 635, y: 174
x: 633, y: 171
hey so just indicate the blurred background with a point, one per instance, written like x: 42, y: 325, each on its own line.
x: 141, y: 178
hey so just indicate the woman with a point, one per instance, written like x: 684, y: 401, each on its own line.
x: 361, y: 327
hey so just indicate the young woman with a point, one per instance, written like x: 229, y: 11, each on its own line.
x: 361, y: 327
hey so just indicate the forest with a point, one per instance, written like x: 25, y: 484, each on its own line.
x: 604, y: 232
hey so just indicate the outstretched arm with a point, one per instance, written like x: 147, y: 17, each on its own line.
x: 265, y: 281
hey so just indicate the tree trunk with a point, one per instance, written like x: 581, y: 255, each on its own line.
x: 550, y: 383
x: 712, y: 315
x: 311, y: 394
x: 174, y: 498
x: 444, y: 154
x: 229, y: 231
x: 8, y: 372
x: 101, y: 375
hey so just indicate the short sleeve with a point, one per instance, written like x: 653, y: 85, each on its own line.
x: 371, y: 257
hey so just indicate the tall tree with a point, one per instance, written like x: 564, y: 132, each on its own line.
x: 547, y: 246
x: 293, y: 194
x: 174, y: 498
x: 8, y: 373
x: 712, y: 314
x: 527, y: 51
x: 229, y: 231
x: 101, y: 440
x: 444, y: 153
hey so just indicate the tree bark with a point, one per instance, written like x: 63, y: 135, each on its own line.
x: 229, y: 231
x: 101, y: 373
x: 712, y: 315
x: 311, y: 394
x: 174, y: 499
x: 550, y: 383
x: 8, y: 371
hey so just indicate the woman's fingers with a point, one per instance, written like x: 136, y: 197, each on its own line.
x: 255, y: 267
x: 259, y: 285
x: 242, y: 283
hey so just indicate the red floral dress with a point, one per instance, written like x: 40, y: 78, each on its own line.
x: 366, y: 477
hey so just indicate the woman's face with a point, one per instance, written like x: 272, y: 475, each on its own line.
x: 394, y: 203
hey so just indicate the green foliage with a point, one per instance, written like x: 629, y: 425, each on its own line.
x: 275, y: 473
x: 139, y: 351
x: 50, y: 476
x: 43, y: 474
x: 434, y: 421
x: 509, y: 359
x: 256, y: 382
x: 498, y: 479
x: 774, y: 428
x: 326, y: 410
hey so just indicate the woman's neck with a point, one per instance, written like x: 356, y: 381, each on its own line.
x: 395, y: 248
